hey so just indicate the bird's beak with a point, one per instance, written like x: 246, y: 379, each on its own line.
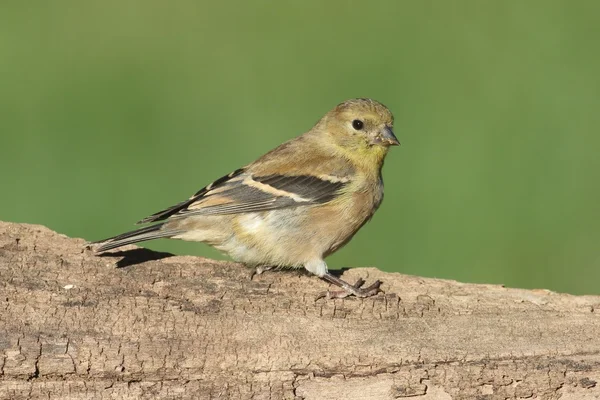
x: 387, y: 138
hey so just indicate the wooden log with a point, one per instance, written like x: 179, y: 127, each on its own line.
x: 138, y: 324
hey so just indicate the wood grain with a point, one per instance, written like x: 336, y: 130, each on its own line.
x: 144, y: 325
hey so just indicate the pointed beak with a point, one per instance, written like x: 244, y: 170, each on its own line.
x: 387, y: 137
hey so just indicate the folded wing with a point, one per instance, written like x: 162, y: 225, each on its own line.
x: 241, y: 192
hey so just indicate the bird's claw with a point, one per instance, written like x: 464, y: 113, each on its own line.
x: 259, y: 271
x: 353, y: 290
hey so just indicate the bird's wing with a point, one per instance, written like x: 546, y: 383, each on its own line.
x: 243, y: 191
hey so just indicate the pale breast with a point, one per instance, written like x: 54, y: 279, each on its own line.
x: 358, y: 212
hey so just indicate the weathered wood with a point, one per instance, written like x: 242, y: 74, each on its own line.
x: 76, y: 326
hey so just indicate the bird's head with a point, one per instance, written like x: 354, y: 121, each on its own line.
x: 361, y: 128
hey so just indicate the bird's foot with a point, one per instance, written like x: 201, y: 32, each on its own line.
x: 260, y: 270
x: 356, y: 290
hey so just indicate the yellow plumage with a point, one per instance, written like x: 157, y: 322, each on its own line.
x: 296, y: 204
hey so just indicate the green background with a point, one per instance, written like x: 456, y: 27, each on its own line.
x: 112, y: 110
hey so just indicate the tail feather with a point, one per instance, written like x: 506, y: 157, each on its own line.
x: 138, y: 235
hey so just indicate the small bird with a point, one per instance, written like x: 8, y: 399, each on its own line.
x: 293, y: 206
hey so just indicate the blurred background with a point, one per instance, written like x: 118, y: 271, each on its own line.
x: 111, y: 111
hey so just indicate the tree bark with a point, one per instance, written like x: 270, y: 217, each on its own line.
x: 137, y: 324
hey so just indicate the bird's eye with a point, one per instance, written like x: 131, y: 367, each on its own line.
x: 357, y: 124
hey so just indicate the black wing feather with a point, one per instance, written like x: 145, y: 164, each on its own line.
x: 164, y: 214
x: 246, y: 198
x: 317, y: 189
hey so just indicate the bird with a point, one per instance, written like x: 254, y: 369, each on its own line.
x: 293, y: 206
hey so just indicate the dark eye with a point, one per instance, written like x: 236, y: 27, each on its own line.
x: 357, y: 124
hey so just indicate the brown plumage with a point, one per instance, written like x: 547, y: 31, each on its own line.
x: 296, y: 204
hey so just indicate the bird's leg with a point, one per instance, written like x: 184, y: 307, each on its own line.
x: 356, y: 289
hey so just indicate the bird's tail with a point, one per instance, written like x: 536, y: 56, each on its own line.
x: 139, y: 235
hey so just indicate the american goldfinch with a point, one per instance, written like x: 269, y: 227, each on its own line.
x: 293, y: 206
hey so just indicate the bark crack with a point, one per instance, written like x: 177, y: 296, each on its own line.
x: 186, y: 327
